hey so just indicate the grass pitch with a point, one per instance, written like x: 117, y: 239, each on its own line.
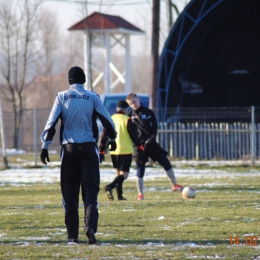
x: 222, y: 222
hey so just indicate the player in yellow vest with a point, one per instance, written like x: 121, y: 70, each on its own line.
x: 122, y: 156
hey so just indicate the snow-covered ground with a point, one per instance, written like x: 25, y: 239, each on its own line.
x: 18, y: 175
x: 13, y: 151
x: 51, y: 175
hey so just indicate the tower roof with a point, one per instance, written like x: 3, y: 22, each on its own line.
x: 99, y: 22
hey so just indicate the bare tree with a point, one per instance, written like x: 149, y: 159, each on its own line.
x: 73, y: 52
x: 175, y: 7
x: 50, y: 42
x: 19, y: 49
x: 49, y: 65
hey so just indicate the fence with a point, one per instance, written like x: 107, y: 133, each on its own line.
x: 190, y: 134
x: 212, y: 133
x: 33, y: 123
x: 223, y: 141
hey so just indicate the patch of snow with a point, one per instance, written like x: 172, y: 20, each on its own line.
x: 36, y: 238
x: 128, y: 210
x: 162, y: 217
x: 246, y: 235
x: 16, y: 213
x: 12, y: 151
x: 204, y: 256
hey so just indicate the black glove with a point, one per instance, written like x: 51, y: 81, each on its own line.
x: 151, y: 140
x: 101, y: 157
x: 112, y: 144
x: 149, y: 144
x: 44, y: 156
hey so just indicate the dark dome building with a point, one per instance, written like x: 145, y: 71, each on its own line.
x: 212, y: 57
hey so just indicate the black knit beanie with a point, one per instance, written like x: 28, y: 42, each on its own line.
x: 76, y: 75
x: 122, y: 105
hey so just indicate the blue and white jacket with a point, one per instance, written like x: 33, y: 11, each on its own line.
x: 78, y: 110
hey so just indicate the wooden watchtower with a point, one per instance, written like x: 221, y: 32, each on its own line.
x: 106, y: 27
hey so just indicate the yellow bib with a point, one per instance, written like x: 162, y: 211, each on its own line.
x: 123, y: 139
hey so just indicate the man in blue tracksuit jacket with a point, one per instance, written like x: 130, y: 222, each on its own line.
x: 78, y: 110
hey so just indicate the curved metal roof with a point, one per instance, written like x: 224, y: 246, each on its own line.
x: 211, y: 56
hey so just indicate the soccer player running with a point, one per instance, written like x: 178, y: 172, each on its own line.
x: 146, y: 123
x: 122, y: 156
x: 78, y: 110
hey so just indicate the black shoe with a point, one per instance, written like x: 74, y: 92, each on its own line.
x: 72, y: 241
x: 91, y: 236
x: 109, y: 193
x: 122, y: 198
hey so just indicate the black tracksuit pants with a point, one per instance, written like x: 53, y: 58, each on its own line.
x: 80, y: 167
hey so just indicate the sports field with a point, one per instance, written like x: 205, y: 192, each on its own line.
x: 222, y: 222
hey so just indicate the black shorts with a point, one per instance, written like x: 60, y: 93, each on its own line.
x: 122, y: 162
x: 152, y: 150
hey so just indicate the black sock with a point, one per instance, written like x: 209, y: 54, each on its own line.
x: 119, y: 187
x: 114, y: 183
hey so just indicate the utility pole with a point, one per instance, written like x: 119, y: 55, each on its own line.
x: 155, y: 55
x: 2, y: 132
x: 155, y: 60
x: 88, y: 52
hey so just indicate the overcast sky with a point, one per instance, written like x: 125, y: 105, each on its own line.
x: 137, y: 12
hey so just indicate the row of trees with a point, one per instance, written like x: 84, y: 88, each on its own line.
x: 35, y: 57
x: 18, y: 51
x: 31, y: 56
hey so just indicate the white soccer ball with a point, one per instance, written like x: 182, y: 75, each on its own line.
x: 188, y: 193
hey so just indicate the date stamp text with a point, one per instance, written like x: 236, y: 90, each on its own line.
x: 249, y: 240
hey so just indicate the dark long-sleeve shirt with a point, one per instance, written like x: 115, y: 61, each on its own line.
x: 146, y: 124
